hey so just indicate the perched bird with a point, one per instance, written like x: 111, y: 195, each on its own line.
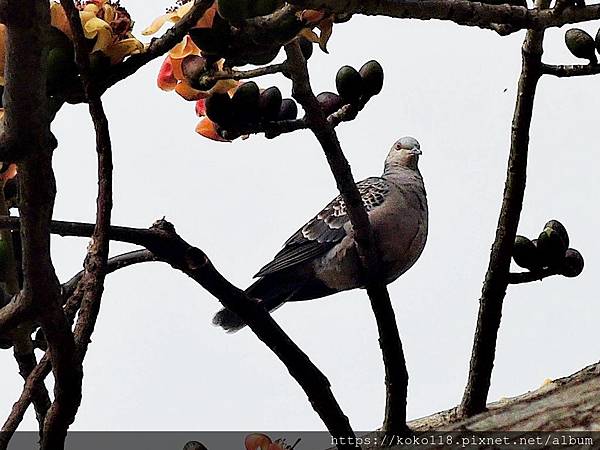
x: 320, y: 259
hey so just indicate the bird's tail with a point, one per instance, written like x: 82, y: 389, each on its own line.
x: 270, y: 291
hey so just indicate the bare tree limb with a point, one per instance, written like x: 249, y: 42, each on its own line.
x: 26, y: 360
x: 113, y: 264
x: 35, y: 378
x: 497, y: 276
x: 63, y: 410
x: 462, y: 12
x: 564, y: 71
x: 396, y: 376
x: 167, y: 246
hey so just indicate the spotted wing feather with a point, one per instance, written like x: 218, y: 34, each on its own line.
x: 326, y: 229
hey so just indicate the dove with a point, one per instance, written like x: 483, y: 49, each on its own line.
x: 321, y: 259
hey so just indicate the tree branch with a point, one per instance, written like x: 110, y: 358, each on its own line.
x: 563, y: 71
x: 528, y: 277
x: 462, y: 12
x: 27, y: 122
x: 497, y: 276
x: 35, y: 378
x: 167, y: 246
x: 396, y: 376
x: 113, y: 264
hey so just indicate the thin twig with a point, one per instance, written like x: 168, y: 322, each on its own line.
x: 528, y: 277
x: 396, y: 375
x: 232, y: 74
x: 497, y: 276
x: 564, y: 71
x: 113, y: 264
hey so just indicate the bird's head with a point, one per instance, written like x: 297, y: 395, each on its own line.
x: 404, y: 153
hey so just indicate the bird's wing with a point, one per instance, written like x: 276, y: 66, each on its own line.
x: 326, y: 229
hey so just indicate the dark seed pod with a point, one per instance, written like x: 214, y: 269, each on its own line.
x: 192, y: 66
x: 306, y: 46
x: 233, y: 10
x: 245, y: 103
x: 5, y: 343
x: 262, y: 58
x: 288, y: 110
x: 572, y: 264
x: 194, y: 445
x: 598, y: 41
x: 559, y: 228
x: 349, y: 84
x: 269, y: 103
x: 526, y: 254
x: 551, y: 248
x: 372, y: 77
x: 219, y: 108
x: 581, y: 44
x: 329, y: 102
x: 207, y: 40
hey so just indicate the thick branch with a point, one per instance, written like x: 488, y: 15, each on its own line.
x: 497, y: 276
x: 396, y: 376
x: 462, y: 12
x: 167, y: 246
x: 28, y: 123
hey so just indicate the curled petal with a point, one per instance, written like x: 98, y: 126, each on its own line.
x: 310, y: 35
x: 257, y: 441
x: 184, y: 48
x: 206, y: 21
x: 326, y: 27
x: 207, y: 128
x: 99, y: 29
x: 201, y: 107
x: 311, y: 16
x: 166, y: 80
x: 117, y: 52
x: 188, y: 92
x: 173, y: 17
x: 223, y: 86
x: 9, y: 173
x: 58, y: 19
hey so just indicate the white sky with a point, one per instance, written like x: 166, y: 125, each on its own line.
x: 156, y: 362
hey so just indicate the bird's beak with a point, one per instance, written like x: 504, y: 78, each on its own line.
x: 416, y: 151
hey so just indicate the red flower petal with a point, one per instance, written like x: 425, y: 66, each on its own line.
x: 207, y: 128
x: 201, y: 107
x: 166, y: 80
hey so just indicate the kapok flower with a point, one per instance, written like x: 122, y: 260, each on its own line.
x: 109, y: 24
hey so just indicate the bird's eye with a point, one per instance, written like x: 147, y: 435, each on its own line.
x: 398, y: 147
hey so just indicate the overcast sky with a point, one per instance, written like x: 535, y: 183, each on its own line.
x: 157, y: 363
